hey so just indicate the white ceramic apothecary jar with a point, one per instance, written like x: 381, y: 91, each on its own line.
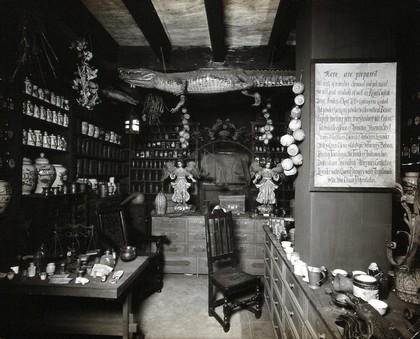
x: 29, y: 176
x: 61, y: 175
x: 5, y: 194
x: 46, y: 173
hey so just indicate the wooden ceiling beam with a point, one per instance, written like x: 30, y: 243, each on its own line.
x: 81, y: 21
x: 284, y: 22
x: 215, y: 20
x: 146, y: 17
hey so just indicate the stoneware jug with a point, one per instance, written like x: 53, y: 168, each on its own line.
x: 61, y: 175
x: 29, y: 176
x: 5, y: 195
x: 46, y: 173
x: 160, y: 203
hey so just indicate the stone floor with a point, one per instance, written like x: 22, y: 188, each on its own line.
x: 180, y: 312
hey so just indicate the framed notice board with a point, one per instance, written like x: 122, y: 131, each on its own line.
x: 354, y: 126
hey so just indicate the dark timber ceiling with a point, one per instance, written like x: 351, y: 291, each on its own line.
x: 166, y: 35
x: 189, y: 33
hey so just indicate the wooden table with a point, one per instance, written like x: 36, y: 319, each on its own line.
x: 97, y: 308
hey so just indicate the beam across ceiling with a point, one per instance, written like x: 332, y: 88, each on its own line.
x: 80, y: 20
x: 215, y: 20
x: 284, y: 22
x: 144, y: 14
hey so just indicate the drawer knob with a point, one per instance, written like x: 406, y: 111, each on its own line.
x: 276, y: 327
x: 276, y: 303
x: 291, y: 313
x: 267, y: 297
x: 292, y: 286
x: 266, y: 277
x: 276, y: 258
x: 266, y: 242
x: 266, y: 259
x: 322, y: 336
x: 276, y: 280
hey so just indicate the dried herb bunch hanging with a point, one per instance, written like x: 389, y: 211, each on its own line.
x: 83, y: 84
x: 153, y: 108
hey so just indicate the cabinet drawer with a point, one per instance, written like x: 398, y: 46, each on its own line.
x: 253, y: 266
x: 267, y: 275
x: 169, y: 223
x: 199, y: 237
x: 180, y: 265
x: 295, y: 288
x: 277, y: 262
x: 246, y: 250
x: 278, y: 326
x: 259, y: 238
x: 197, y: 250
x: 277, y: 303
x: 202, y: 265
x: 292, y: 312
x: 196, y: 224
x: 174, y: 250
x: 317, y: 327
x: 175, y: 236
x: 268, y: 243
x: 259, y: 251
x: 244, y: 237
x: 244, y: 225
x: 289, y: 330
x: 268, y: 301
x: 277, y: 282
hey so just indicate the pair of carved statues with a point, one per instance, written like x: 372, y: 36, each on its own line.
x: 266, y: 179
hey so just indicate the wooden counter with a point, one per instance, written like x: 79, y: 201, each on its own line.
x: 298, y: 311
x: 187, y: 251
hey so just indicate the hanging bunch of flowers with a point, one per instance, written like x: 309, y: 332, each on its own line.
x: 295, y: 134
x: 83, y: 84
x: 266, y: 131
x: 184, y: 133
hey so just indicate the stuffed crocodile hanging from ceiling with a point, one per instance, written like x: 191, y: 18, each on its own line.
x: 207, y: 81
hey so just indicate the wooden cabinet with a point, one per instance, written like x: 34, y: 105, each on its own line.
x: 46, y: 117
x: 99, y: 146
x: 187, y: 251
x: 295, y: 310
x: 298, y: 312
x: 97, y: 158
x: 149, y: 152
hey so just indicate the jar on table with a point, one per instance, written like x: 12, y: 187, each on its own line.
x: 50, y: 268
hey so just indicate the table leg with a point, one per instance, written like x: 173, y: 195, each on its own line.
x: 127, y: 308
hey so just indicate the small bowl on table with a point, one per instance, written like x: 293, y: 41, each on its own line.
x: 128, y: 253
x: 336, y: 271
x: 379, y: 305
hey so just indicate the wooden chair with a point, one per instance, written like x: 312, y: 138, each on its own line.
x: 240, y: 290
x: 114, y: 232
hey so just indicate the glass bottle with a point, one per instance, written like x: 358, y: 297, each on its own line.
x: 107, y: 259
x: 39, y: 259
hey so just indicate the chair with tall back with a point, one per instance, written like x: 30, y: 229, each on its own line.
x: 114, y: 232
x: 240, y: 290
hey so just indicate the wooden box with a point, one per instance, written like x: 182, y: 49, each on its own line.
x: 234, y: 203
